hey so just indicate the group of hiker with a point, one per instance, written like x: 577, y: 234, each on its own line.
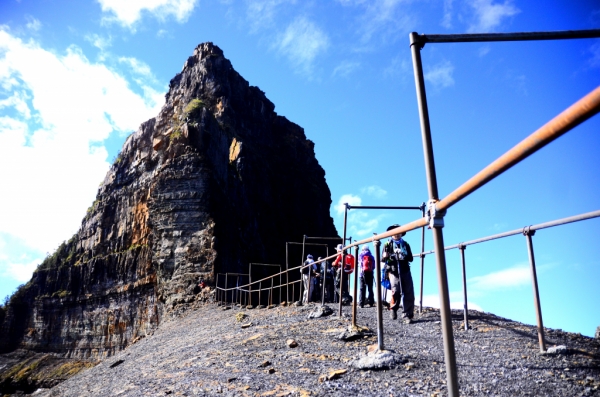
x: 395, y: 268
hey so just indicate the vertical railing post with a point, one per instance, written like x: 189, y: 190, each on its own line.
x: 259, y: 293
x: 355, y: 301
x: 271, y: 293
x: 217, y: 291
x: 423, y: 206
x: 437, y: 220
x: 379, y: 298
x: 323, y: 279
x: 462, y: 249
x: 287, y: 278
x: 342, y: 280
x: 536, y: 294
x: 250, y: 285
x: 226, y: 284
x: 301, y: 275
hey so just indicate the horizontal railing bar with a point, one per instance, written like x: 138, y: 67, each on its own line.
x: 264, y: 264
x: 374, y: 207
x: 322, y: 238
x: 539, y: 226
x: 402, y: 229
x: 518, y: 36
x: 317, y: 244
x: 240, y: 288
x: 416, y: 224
x: 234, y: 274
x: 576, y: 114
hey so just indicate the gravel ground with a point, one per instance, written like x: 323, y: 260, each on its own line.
x: 212, y: 351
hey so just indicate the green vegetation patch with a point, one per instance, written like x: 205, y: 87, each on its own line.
x: 194, y: 108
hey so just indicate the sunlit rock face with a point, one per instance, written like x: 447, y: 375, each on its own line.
x: 217, y: 180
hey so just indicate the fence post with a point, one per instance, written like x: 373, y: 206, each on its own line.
x: 343, y: 253
x: 462, y: 249
x: 536, y: 294
x: 379, y: 298
x: 422, y: 260
x: 437, y: 220
x: 355, y: 301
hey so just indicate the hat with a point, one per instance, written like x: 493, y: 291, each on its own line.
x: 320, y: 258
x: 309, y: 256
x: 394, y: 226
x: 366, y: 248
x: 339, y: 247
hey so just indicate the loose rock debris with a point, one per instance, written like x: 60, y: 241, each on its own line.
x: 202, y: 354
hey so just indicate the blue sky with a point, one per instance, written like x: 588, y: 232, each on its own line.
x: 76, y: 77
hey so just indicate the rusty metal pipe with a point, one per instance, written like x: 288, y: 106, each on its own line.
x: 438, y: 236
x: 355, y: 300
x: 464, y: 277
x: 302, y: 278
x: 576, y: 114
x: 536, y: 294
x: 343, y: 258
x: 379, y: 300
x: 422, y: 260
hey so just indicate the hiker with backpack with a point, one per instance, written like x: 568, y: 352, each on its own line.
x: 327, y: 275
x: 348, y: 268
x: 308, y: 267
x: 366, y: 266
x: 397, y: 257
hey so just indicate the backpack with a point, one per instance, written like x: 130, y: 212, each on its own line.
x: 367, y: 263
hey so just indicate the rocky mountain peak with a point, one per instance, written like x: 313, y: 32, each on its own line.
x: 215, y: 181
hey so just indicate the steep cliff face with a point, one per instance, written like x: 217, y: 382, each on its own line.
x: 215, y: 181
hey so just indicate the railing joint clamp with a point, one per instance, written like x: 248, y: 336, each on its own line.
x: 527, y: 231
x: 435, y: 218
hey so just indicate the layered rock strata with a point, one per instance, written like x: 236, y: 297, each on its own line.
x: 217, y: 180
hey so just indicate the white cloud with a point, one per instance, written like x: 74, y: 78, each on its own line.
x: 137, y: 66
x: 102, y: 43
x: 441, y: 75
x: 483, y: 51
x: 345, y: 68
x: 20, y: 272
x: 55, y: 112
x: 33, y: 24
x: 384, y: 19
x: 261, y: 13
x: 456, y: 302
x: 360, y: 223
x: 398, y: 67
x: 516, y: 276
x: 347, y: 198
x: 447, y: 20
x: 374, y: 191
x: 489, y: 15
x: 129, y: 12
x: 302, y: 42
x: 595, y: 51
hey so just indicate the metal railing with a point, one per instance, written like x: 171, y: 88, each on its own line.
x: 580, y: 111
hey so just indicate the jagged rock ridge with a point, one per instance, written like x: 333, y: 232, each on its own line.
x: 215, y: 181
